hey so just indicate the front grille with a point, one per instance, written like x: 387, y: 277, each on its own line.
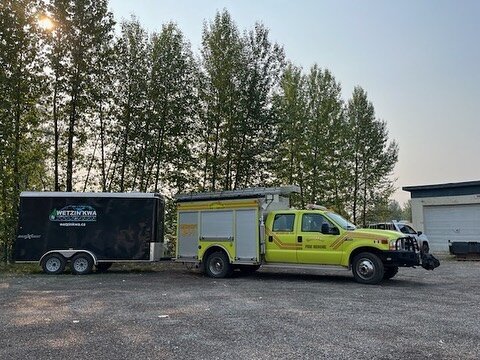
x: 406, y: 243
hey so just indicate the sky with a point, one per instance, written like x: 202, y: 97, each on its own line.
x: 418, y: 60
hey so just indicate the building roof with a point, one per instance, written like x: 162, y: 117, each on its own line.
x: 448, y: 189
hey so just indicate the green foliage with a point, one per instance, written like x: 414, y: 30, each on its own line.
x: 22, y: 154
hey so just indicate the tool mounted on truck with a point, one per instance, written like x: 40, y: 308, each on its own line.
x: 246, y: 229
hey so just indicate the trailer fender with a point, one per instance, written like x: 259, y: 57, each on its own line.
x: 68, y: 254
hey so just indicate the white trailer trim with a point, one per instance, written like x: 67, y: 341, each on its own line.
x: 89, y: 194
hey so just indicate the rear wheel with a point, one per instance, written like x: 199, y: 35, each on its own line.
x: 390, y: 272
x: 218, y: 265
x: 53, y: 264
x: 82, y: 264
x: 367, y: 268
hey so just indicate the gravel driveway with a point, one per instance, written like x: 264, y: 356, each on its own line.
x: 169, y: 312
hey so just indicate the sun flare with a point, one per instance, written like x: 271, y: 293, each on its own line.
x: 46, y: 23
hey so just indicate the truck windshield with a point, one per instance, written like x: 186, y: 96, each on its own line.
x: 345, y: 224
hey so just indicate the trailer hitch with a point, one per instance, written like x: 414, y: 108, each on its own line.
x: 429, y: 262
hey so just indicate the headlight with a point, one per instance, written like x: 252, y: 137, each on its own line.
x: 392, y: 244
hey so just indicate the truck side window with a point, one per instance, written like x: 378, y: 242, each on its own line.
x: 312, y: 222
x: 283, y: 222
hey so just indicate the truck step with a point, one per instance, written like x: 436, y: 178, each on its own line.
x: 304, y: 267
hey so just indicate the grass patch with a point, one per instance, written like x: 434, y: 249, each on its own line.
x: 33, y: 268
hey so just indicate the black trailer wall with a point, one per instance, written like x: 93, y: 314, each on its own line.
x: 113, y: 228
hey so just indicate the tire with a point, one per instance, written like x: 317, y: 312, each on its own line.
x: 425, y: 247
x: 53, y: 264
x: 367, y: 268
x: 218, y: 265
x: 82, y: 264
x: 390, y: 272
x: 248, y: 269
x: 104, y: 266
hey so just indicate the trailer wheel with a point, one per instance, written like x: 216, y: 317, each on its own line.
x: 218, y: 265
x: 82, y: 264
x: 53, y: 264
x: 104, y: 266
x: 390, y: 272
x: 367, y: 268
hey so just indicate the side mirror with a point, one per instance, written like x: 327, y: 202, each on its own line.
x: 325, y: 229
x: 419, y: 233
x: 334, y: 231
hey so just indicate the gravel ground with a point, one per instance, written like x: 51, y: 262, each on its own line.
x: 169, y: 312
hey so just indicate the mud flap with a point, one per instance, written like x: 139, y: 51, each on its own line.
x: 429, y: 262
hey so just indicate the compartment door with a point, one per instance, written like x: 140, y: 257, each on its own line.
x: 187, y: 243
x: 246, y: 235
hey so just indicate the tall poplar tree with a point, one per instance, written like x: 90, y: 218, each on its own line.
x: 22, y: 157
x: 82, y: 29
x: 372, y: 157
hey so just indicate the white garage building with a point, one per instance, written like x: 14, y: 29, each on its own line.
x: 446, y: 212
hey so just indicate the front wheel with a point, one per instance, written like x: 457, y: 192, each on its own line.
x: 53, y: 264
x: 218, y: 265
x: 367, y: 268
x: 82, y: 264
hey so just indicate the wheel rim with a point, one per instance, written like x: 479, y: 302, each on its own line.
x: 365, y: 269
x: 216, y: 265
x: 80, y: 264
x: 53, y: 264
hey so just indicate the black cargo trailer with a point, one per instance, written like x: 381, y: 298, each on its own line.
x: 88, y: 229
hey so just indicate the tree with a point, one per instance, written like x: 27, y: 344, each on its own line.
x: 173, y: 108
x: 131, y: 81
x: 371, y: 156
x: 259, y: 76
x: 22, y: 157
x: 326, y: 139
x: 82, y: 30
x: 290, y: 137
x: 220, y: 97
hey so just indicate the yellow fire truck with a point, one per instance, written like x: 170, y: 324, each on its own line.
x: 246, y: 229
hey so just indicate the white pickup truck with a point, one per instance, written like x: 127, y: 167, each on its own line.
x: 405, y: 228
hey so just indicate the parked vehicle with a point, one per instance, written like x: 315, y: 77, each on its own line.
x: 405, y: 228
x: 246, y: 229
x: 88, y: 229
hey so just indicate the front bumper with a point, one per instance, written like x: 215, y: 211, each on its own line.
x: 401, y: 258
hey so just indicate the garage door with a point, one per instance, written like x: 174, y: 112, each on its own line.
x: 452, y: 222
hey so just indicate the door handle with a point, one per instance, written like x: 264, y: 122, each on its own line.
x: 270, y: 238
x: 299, y: 239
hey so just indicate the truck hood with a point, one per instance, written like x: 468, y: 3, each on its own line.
x: 388, y: 234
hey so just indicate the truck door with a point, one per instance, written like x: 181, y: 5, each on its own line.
x: 318, y: 247
x: 281, y: 239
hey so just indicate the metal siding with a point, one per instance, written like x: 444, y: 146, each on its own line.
x: 187, y: 234
x: 246, y: 235
x: 451, y: 222
x: 216, y: 224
